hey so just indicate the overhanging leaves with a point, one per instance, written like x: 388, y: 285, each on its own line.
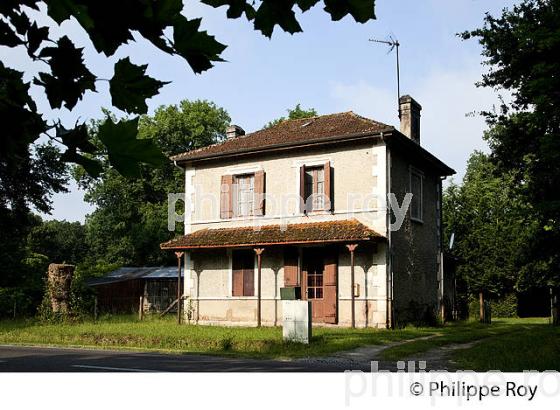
x: 130, y: 87
x: 92, y: 166
x: 69, y: 78
x: 197, y: 47
x: 125, y: 150
x: 272, y: 13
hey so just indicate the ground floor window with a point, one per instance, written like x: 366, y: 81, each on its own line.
x: 243, y: 272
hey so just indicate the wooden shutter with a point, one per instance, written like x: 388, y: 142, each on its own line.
x: 237, y: 275
x: 330, y: 274
x: 249, y: 280
x: 302, y: 188
x: 328, y: 187
x: 259, y: 190
x: 226, y: 197
x: 243, y: 273
x: 291, y: 256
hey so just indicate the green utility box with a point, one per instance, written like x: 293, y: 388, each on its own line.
x: 291, y: 293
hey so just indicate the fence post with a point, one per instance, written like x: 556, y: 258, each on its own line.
x: 95, y: 308
x: 141, y: 308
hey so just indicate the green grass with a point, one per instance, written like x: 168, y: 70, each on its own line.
x: 506, y: 344
x: 164, y: 335
x: 536, y: 347
x: 465, y: 332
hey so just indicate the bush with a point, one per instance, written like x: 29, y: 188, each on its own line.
x: 15, y: 302
x: 503, y: 307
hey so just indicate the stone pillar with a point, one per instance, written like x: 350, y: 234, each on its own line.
x: 59, y: 283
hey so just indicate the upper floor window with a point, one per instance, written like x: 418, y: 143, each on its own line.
x: 242, y: 195
x: 416, y: 188
x: 315, y: 187
x: 245, y: 198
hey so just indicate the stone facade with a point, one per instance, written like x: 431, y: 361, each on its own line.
x: 396, y: 279
x: 416, y: 246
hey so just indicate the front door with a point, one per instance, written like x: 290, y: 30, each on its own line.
x: 319, y: 283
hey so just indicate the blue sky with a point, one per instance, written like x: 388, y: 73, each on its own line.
x: 331, y: 67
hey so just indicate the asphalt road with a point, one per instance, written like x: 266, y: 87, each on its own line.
x: 46, y: 359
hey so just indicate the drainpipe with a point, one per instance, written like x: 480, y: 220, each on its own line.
x: 389, y: 283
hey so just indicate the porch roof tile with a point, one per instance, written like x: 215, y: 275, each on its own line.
x: 302, y: 233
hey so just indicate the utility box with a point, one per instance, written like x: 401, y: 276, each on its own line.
x: 290, y: 293
x: 296, y: 321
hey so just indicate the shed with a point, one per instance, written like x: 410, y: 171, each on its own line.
x: 120, y: 290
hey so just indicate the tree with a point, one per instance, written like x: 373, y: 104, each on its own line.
x: 29, y: 173
x: 293, y: 114
x: 521, y: 48
x: 131, y: 216
x: 491, y: 220
x: 59, y: 241
x: 110, y: 25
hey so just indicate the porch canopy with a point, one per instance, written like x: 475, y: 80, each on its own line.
x: 343, y: 231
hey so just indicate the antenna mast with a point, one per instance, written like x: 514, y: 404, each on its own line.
x: 394, y: 44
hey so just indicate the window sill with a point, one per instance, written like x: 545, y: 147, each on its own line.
x: 317, y: 212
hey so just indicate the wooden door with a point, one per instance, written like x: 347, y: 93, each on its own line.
x: 319, y: 284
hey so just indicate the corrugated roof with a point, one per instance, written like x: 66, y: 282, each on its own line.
x: 130, y: 273
x: 314, y: 232
x: 298, y: 131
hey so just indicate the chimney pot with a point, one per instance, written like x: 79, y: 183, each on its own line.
x: 234, y: 131
x: 409, y: 111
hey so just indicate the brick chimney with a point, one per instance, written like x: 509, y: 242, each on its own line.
x: 234, y: 131
x: 409, y: 111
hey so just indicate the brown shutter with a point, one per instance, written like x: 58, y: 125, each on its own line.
x: 330, y: 288
x: 290, y: 267
x: 226, y: 197
x: 249, y: 281
x: 302, y: 188
x: 237, y: 275
x: 259, y: 190
x: 243, y: 274
x: 328, y: 187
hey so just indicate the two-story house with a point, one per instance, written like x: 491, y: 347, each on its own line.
x: 305, y: 204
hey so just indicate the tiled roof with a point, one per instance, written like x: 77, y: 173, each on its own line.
x: 314, y: 232
x: 291, y: 132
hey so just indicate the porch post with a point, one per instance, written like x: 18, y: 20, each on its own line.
x: 179, y: 290
x: 259, y: 252
x: 352, y: 247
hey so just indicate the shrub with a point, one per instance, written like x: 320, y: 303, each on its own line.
x: 503, y: 307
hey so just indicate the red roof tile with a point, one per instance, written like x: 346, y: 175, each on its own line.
x: 291, y: 132
x: 314, y: 232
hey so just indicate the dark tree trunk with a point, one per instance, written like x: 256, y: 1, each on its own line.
x: 485, y: 314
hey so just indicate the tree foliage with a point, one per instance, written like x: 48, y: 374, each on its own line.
x: 59, y: 241
x: 110, y: 25
x: 295, y: 113
x: 130, y: 220
x: 521, y: 48
x: 491, y: 221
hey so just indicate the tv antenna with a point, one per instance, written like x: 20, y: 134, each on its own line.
x: 393, y: 43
